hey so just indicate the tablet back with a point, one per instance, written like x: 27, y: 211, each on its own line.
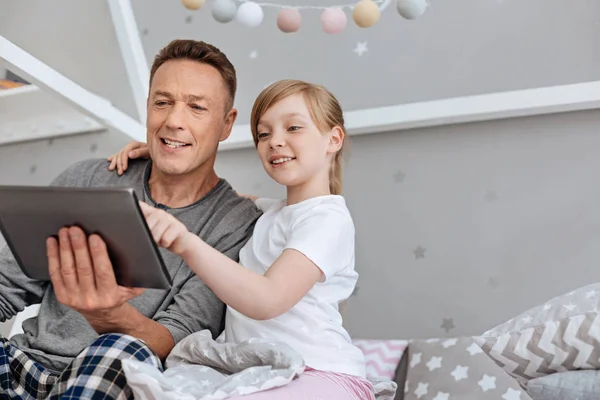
x: 31, y: 214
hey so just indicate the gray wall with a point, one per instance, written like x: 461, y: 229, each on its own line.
x: 507, y: 212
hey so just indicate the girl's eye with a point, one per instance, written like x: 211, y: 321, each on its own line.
x: 293, y: 128
x: 262, y: 135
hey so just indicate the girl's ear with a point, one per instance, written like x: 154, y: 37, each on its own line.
x: 336, y: 139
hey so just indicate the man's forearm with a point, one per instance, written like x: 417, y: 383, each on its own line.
x: 130, y: 321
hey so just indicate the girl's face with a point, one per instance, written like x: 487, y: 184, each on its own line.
x: 293, y: 151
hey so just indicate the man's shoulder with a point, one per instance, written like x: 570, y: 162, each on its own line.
x: 235, y: 209
x: 94, y: 172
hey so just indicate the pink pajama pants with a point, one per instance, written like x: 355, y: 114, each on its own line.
x: 318, y: 385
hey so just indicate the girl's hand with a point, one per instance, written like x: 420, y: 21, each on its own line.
x: 132, y: 150
x: 167, y: 231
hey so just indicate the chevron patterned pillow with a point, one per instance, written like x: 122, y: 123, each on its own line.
x: 381, y: 356
x: 581, y: 300
x: 570, y: 343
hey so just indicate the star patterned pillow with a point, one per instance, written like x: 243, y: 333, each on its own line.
x: 457, y: 368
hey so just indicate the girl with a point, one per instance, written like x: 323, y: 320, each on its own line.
x: 299, y: 265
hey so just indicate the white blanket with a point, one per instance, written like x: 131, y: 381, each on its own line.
x: 200, y: 368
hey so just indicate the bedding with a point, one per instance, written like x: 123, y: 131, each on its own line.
x: 549, y: 352
x: 456, y: 368
x: 200, y: 368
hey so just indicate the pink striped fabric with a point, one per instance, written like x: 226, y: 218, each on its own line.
x: 318, y: 385
x: 381, y: 356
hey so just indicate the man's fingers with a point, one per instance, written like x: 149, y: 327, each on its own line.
x: 103, y: 268
x: 83, y: 261
x: 54, y: 268
x: 67, y: 263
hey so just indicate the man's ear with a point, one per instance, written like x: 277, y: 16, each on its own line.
x: 229, y: 121
x: 336, y: 139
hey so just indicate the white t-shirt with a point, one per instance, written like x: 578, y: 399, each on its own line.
x: 322, y: 229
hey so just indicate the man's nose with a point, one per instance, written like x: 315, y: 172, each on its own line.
x: 176, y: 117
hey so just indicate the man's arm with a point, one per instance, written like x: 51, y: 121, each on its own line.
x: 83, y: 279
x: 17, y: 291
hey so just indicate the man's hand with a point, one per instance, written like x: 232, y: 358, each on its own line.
x: 83, y: 279
x: 167, y: 231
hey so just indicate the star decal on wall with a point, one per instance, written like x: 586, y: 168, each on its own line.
x: 490, y: 196
x: 361, y: 48
x: 493, y: 282
x: 447, y: 324
x: 399, y: 176
x: 419, y: 252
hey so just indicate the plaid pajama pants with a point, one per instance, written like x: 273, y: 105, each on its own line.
x: 96, y: 373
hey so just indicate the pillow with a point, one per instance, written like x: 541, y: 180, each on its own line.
x: 445, y: 369
x: 556, y: 346
x: 567, y: 305
x: 580, y: 385
x: 561, y: 335
x: 381, y: 356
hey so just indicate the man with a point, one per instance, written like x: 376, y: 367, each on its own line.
x: 87, y: 323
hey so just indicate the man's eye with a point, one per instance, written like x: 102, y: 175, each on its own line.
x: 161, y: 103
x: 197, y: 107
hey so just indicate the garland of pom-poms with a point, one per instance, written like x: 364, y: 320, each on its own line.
x: 365, y: 13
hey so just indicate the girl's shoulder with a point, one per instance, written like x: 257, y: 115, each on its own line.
x: 265, y: 204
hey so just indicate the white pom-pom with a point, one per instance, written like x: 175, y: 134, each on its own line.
x: 250, y: 14
x: 411, y: 9
x: 224, y: 11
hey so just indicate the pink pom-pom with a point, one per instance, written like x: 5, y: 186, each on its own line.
x: 333, y: 20
x: 289, y: 20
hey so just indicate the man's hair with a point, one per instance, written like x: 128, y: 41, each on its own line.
x: 203, y: 53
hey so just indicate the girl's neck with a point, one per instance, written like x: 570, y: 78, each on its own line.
x: 299, y: 193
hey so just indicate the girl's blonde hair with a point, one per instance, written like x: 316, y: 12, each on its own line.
x: 324, y: 108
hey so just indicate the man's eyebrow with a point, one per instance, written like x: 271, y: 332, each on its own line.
x: 164, y: 94
x: 195, y: 97
x: 188, y: 97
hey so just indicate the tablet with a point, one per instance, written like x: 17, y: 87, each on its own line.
x: 31, y: 214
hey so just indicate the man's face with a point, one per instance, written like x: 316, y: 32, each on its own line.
x: 187, y: 117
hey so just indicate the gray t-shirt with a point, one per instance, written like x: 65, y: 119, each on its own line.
x: 221, y: 218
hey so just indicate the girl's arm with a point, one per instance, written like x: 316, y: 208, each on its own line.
x: 249, y: 196
x: 257, y: 296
